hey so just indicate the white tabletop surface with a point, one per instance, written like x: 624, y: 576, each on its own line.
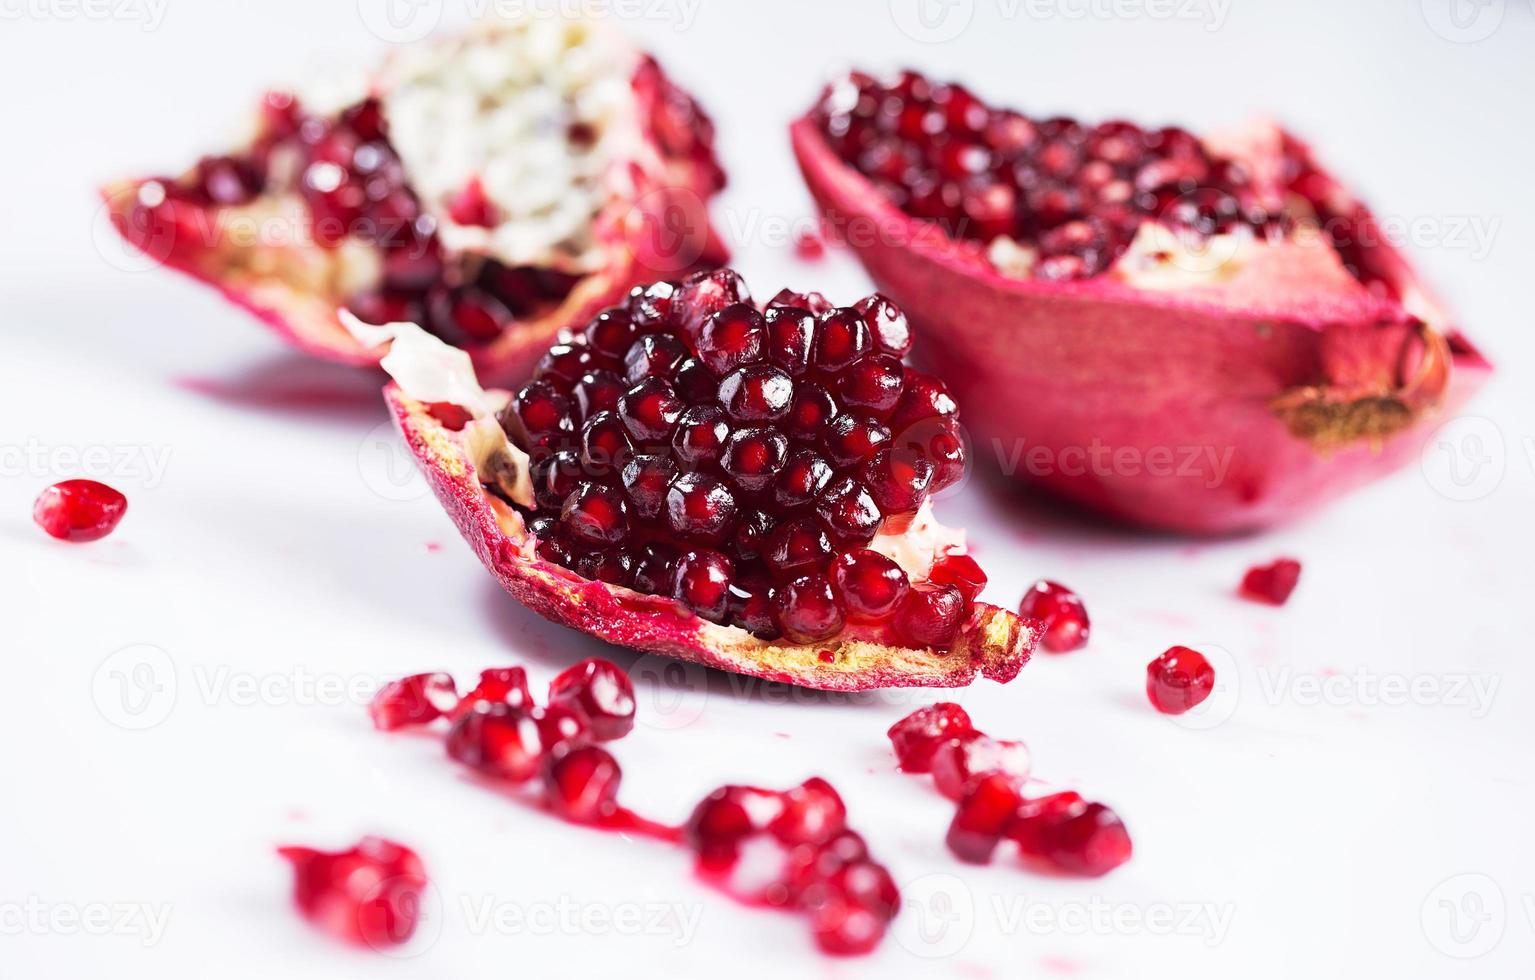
x: 1363, y: 811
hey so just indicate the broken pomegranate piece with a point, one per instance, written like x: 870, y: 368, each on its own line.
x: 79, y: 510
x: 1272, y: 583
x: 1179, y: 680
x: 1202, y: 333
x: 368, y: 894
x: 663, y: 483
x: 492, y: 186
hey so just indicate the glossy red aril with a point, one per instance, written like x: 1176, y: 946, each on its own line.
x: 414, y: 700
x: 729, y: 815
x: 930, y: 615
x: 582, y: 784
x: 497, y: 740
x: 960, y: 571
x: 984, y: 812
x: 504, y: 685
x: 1179, y: 680
x: 1062, y: 612
x: 870, y: 585
x: 601, y: 692
x: 79, y: 510
x: 369, y: 893
x: 812, y: 813
x: 959, y: 762
x: 1272, y: 583
x: 1069, y: 834
x: 917, y: 736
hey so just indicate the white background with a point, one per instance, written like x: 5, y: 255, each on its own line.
x: 1317, y: 836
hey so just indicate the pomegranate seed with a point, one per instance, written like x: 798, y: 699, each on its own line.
x: 1272, y: 583
x: 611, y: 333
x: 917, y: 736
x: 752, y: 533
x: 797, y: 546
x: 961, y: 572
x: 848, y: 511
x: 582, y: 784
x: 812, y: 813
x: 869, y: 584
x: 595, y: 515
x: 497, y: 740
x: 470, y: 206
x: 560, y: 725
x: 507, y: 685
x: 79, y: 510
x: 728, y: 816
x: 961, y: 761
x: 705, y: 294
x: 700, y: 507
x: 845, y: 928
x: 985, y: 811
x: 1071, y: 835
x: 647, y: 479
x: 604, y: 443
x: 754, y: 457
x: 892, y: 334
x: 931, y: 616
x: 653, y: 356
x: 564, y: 364
x: 369, y: 893
x: 599, y: 391
x: 751, y: 606
x: 756, y: 394
x: 1179, y: 680
x: 733, y: 337
x: 601, y: 693
x: 801, y: 480
x: 812, y: 302
x: 807, y: 609
x: 808, y: 246
x: 700, y: 437
x: 841, y: 337
x: 809, y: 412
x: 925, y: 398
x: 850, y: 439
x: 414, y: 700
x: 650, y: 411
x: 898, y: 480
x: 701, y: 581
x: 1062, y: 612
x: 872, y: 385
x: 790, y: 332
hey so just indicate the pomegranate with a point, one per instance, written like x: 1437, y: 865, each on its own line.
x: 1272, y: 583
x: 79, y: 510
x: 492, y: 186
x: 369, y: 893
x: 1202, y: 334
x: 747, y: 487
x: 1179, y: 680
x: 1061, y: 610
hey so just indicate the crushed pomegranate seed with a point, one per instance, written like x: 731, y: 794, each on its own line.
x: 917, y: 736
x: 414, y: 700
x: 79, y: 510
x: 1272, y: 583
x: 1062, y: 612
x: 1074, y: 194
x: 692, y: 446
x: 369, y: 893
x: 1179, y: 680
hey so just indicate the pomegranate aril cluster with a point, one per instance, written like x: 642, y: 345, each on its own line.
x: 741, y: 461
x: 985, y: 776
x: 826, y: 869
x: 1075, y: 193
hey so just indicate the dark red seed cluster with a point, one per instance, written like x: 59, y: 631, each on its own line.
x: 985, y: 777
x: 741, y: 461
x: 1179, y: 680
x: 1272, y: 583
x: 369, y: 893
x: 79, y: 510
x: 827, y: 870
x: 1074, y: 192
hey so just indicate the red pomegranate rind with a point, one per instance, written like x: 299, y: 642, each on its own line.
x: 653, y: 224
x: 994, y: 643
x: 1272, y: 583
x: 79, y: 510
x: 1283, y: 385
x: 369, y: 894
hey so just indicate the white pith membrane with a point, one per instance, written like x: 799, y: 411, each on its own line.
x: 432, y: 372
x: 498, y: 105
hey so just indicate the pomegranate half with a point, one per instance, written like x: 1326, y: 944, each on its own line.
x: 697, y: 476
x: 493, y: 186
x: 1205, y: 335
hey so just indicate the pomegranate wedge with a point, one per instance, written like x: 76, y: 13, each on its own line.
x: 493, y: 186
x: 746, y: 488
x: 1206, y: 335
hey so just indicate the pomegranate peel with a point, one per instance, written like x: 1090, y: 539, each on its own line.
x: 483, y: 480
x: 1287, y: 366
x: 360, y: 205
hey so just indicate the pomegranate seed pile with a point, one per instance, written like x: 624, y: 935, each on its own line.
x: 688, y: 445
x: 79, y: 510
x: 368, y: 894
x: 1075, y: 193
x: 1179, y: 680
x: 498, y: 730
x: 985, y: 777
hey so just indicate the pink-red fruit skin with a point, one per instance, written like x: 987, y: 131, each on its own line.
x: 369, y: 894
x: 917, y: 736
x: 1179, y: 680
x: 1061, y: 610
x: 1272, y: 583
x: 79, y: 510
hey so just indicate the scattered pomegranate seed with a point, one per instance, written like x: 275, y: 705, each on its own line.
x: 962, y: 572
x: 79, y: 510
x: 414, y: 700
x: 497, y: 740
x: 808, y: 245
x: 986, y: 810
x: 601, y: 692
x: 917, y: 736
x: 1062, y: 612
x: 1178, y: 680
x: 726, y: 817
x: 582, y: 784
x: 506, y: 685
x: 369, y: 893
x: 962, y: 761
x: 1272, y: 583
x: 1071, y: 835
x: 812, y: 813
